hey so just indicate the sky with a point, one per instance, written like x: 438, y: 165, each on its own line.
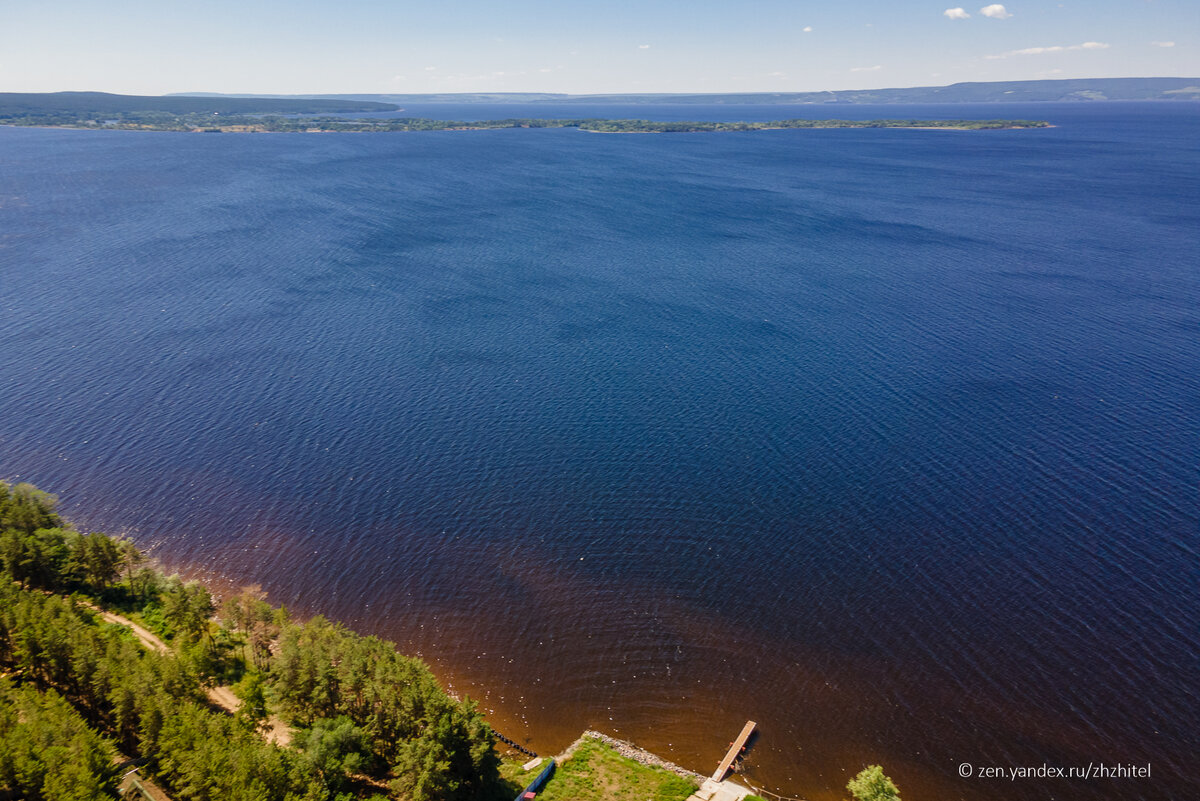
x: 398, y: 46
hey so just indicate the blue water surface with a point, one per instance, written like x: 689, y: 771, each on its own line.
x: 886, y: 439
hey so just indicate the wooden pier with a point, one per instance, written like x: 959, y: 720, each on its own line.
x: 734, y: 751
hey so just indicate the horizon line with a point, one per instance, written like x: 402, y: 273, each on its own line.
x: 769, y: 92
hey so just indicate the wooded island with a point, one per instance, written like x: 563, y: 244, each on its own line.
x: 162, y: 121
x: 95, y: 110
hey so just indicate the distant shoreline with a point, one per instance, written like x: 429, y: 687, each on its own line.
x: 842, y: 127
x: 590, y: 125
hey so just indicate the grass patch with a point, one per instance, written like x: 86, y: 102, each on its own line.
x: 595, y: 772
x: 513, y: 778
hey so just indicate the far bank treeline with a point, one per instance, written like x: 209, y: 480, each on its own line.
x: 82, y: 701
x: 217, y: 115
x: 161, y: 121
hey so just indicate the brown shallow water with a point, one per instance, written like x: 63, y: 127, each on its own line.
x: 552, y: 647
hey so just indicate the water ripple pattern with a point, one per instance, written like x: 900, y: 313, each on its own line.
x: 884, y: 439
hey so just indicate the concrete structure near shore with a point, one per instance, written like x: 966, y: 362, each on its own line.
x: 719, y: 791
x: 709, y: 790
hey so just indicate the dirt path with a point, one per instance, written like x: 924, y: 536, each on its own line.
x: 278, y: 732
x: 132, y: 782
x: 135, y: 782
x: 221, y: 696
x: 224, y: 698
x: 146, y: 637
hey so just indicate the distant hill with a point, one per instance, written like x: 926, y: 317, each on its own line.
x: 1082, y: 89
x: 100, y: 104
x: 457, y: 97
x: 14, y: 104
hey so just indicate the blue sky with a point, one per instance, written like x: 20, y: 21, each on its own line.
x: 316, y: 46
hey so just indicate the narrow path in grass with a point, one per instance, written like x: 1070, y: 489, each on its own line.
x: 278, y: 732
x: 147, y: 637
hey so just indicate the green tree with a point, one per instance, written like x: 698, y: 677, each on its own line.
x: 145, y: 584
x: 248, y: 613
x: 26, y: 508
x: 131, y: 558
x: 48, y: 752
x: 872, y: 785
x: 95, y: 558
x: 36, y: 558
x: 336, y: 748
x: 187, y: 608
x: 251, y: 691
x: 451, y: 760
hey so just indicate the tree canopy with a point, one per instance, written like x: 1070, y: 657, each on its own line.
x: 76, y: 691
x: 872, y: 785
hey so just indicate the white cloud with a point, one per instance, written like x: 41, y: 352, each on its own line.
x: 808, y: 29
x: 643, y: 47
x: 956, y: 13
x: 430, y: 69
x: 1031, y: 51
x: 1038, y: 51
x: 1163, y: 44
x: 775, y: 75
x: 866, y: 69
x: 995, y: 11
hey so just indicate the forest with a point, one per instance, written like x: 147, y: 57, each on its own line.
x: 272, y: 115
x: 83, y: 702
x: 85, y: 104
x: 112, y: 677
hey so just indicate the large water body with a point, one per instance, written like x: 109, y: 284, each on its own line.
x: 885, y: 439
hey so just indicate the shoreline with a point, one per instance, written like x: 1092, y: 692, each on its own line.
x: 504, y: 720
x: 629, y: 750
x: 256, y: 680
x: 223, y: 588
x: 614, y: 126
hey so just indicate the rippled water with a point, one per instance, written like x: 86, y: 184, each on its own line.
x: 884, y: 439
